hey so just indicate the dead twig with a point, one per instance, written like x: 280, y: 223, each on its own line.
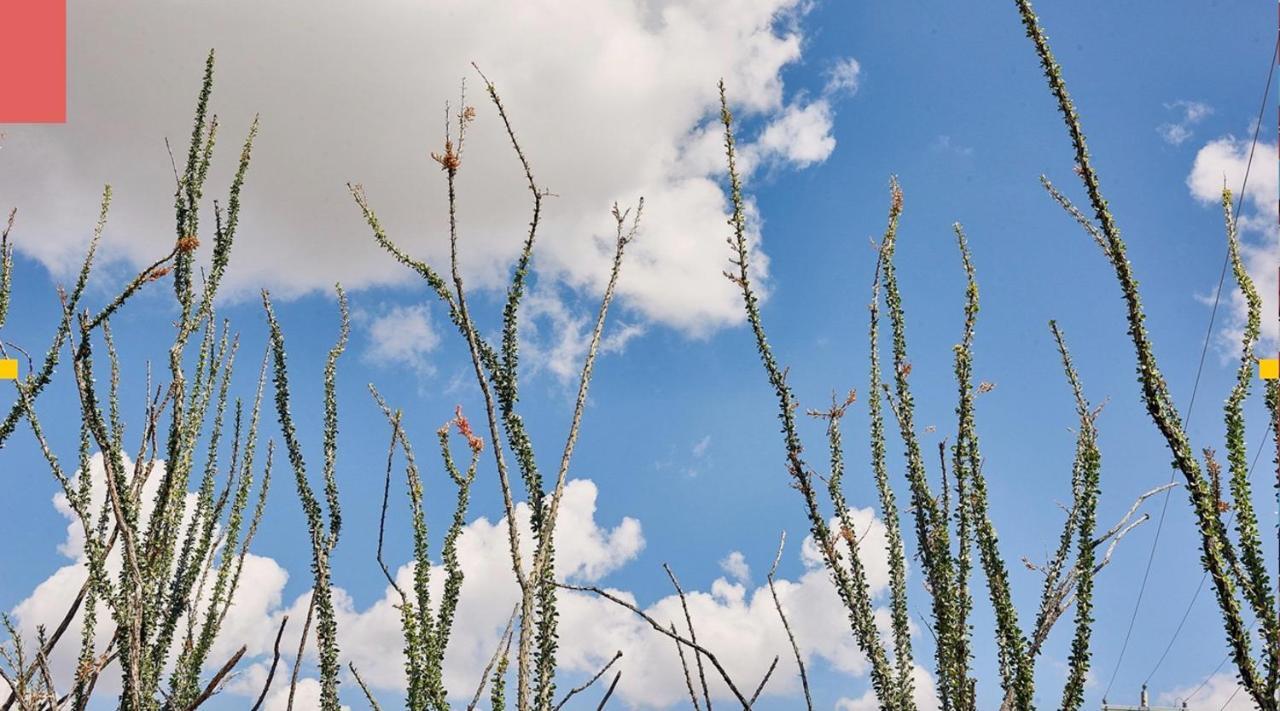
x: 275, y: 661
x: 584, y: 687
x: 795, y: 648
x: 711, y: 657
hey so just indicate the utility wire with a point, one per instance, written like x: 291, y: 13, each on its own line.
x: 1227, y: 703
x: 1186, y: 418
x: 1215, y: 671
x: 1199, y: 588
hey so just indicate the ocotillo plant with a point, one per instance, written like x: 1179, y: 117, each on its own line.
x: 1235, y: 562
x: 426, y: 634
x: 323, y: 535
x: 164, y: 570
x: 946, y: 534
x: 497, y: 374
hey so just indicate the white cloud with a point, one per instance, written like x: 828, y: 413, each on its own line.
x: 1177, y: 132
x: 1220, y: 692
x: 1223, y: 162
x: 555, y: 336
x: 605, y: 95
x: 585, y: 552
x: 1174, y: 133
x: 943, y: 144
x: 1193, y: 111
x: 306, y: 696
x: 53, y: 597
x: 800, y: 136
x: 844, y: 77
x: 738, y: 622
x: 404, y: 335
x: 924, y: 693
x: 735, y: 566
x: 700, y: 448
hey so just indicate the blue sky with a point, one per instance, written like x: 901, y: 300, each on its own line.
x: 680, y: 433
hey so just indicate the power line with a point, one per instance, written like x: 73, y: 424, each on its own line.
x: 1186, y: 418
x: 1199, y: 588
x: 1212, y: 674
x: 1215, y: 671
x: 1227, y: 703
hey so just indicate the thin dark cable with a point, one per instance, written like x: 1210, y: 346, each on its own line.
x: 1186, y: 418
x: 1227, y: 703
x: 1203, y: 577
x: 1215, y: 671
x: 1212, y: 674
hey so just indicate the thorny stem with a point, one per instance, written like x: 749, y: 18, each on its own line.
x: 715, y: 662
x: 777, y: 604
x: 1216, y: 547
x: 1015, y: 665
x: 693, y: 637
x: 898, y: 608
x: 544, y: 557
x: 852, y: 588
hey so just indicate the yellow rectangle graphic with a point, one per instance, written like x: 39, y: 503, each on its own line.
x: 1269, y: 368
x: 8, y: 369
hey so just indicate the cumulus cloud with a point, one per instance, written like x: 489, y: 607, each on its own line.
x: 555, y: 335
x: 250, y: 682
x: 403, y: 335
x: 1223, y: 161
x: 925, y: 694
x: 1220, y: 692
x: 736, y: 567
x: 606, y: 96
x: 737, y: 621
x: 49, y: 601
x: 800, y: 136
x: 1175, y: 133
x: 844, y: 77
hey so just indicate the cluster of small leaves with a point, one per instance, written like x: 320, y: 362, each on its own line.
x: 851, y: 583
x: 1082, y: 520
x: 947, y: 566
x: 1235, y: 563
x: 324, y: 537
x: 426, y: 634
x: 175, y: 582
x: 6, y: 267
x: 898, y: 605
x: 35, y: 382
x: 29, y: 690
x: 496, y: 372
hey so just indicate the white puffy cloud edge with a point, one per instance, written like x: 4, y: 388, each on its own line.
x: 611, y: 99
x: 1219, y: 692
x: 1223, y: 162
x: 733, y: 619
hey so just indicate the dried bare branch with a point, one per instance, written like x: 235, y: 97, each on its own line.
x: 579, y: 689
x: 275, y: 662
x: 368, y: 695
x: 609, y: 692
x: 217, y: 679
x: 693, y: 636
x: 715, y: 662
x: 684, y: 667
x: 777, y: 604
x: 504, y: 643
x: 768, y: 673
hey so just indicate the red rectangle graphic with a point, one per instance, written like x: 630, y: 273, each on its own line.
x: 33, y: 61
